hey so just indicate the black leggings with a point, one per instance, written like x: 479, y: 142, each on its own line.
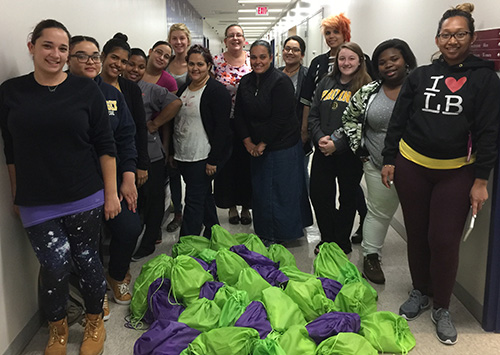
x: 57, y: 243
x: 435, y: 204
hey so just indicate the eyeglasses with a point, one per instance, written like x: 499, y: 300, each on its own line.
x: 290, y: 49
x: 161, y: 54
x: 234, y: 35
x: 84, y: 58
x: 459, y: 36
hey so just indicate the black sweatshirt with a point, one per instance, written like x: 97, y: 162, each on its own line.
x: 440, y: 106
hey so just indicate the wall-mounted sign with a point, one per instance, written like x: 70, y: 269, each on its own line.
x: 261, y: 11
x: 487, y: 46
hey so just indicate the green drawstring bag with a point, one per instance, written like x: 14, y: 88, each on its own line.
x: 221, y: 238
x: 387, y: 332
x: 229, y: 265
x: 234, y: 307
x: 202, y: 314
x: 252, y: 242
x: 345, y: 344
x: 155, y: 268
x: 279, y: 254
x: 296, y: 341
x: 293, y: 273
x: 187, y: 278
x: 223, y: 294
x: 267, y: 346
x: 251, y: 281
x: 207, y: 255
x: 190, y: 245
x: 330, y: 262
x: 223, y: 341
x: 310, y: 297
x: 355, y: 298
x: 281, y: 310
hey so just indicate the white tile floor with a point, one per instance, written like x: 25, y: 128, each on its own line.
x: 472, y: 339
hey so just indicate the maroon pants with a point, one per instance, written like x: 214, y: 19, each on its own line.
x: 435, y: 204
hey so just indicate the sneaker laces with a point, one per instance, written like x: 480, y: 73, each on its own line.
x: 123, y: 288
x: 55, y: 337
x: 445, y: 319
x: 374, y: 264
x: 91, y: 329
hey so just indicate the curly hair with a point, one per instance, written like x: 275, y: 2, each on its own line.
x: 205, y: 52
x: 340, y: 22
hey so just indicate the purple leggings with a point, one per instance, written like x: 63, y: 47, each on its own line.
x: 435, y: 204
x: 59, y: 242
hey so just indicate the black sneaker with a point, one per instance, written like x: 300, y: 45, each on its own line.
x: 372, y: 269
x: 445, y: 330
x: 414, y: 305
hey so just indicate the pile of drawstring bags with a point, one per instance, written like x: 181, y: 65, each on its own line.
x: 231, y: 295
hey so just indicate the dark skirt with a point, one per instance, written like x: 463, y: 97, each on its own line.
x: 278, y: 187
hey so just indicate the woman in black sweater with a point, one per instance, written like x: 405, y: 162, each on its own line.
x: 202, y: 140
x: 266, y: 122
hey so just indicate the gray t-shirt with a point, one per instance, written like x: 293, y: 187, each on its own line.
x: 377, y: 119
x: 155, y: 99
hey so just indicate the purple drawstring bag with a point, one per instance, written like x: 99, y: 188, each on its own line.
x: 209, y: 289
x: 252, y: 257
x: 212, y: 268
x: 255, y: 316
x: 166, y: 338
x: 330, y: 324
x: 161, y: 305
x: 202, y: 263
x: 331, y: 287
x: 271, y: 274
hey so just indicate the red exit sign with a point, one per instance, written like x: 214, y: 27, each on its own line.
x: 261, y: 11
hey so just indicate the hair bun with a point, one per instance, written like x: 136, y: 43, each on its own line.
x: 466, y: 7
x: 121, y: 36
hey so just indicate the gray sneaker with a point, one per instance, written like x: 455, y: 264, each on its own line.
x: 414, y: 305
x: 445, y: 330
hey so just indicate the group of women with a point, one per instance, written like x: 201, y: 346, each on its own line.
x: 101, y: 141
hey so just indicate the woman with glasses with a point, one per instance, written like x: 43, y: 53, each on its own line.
x: 159, y: 57
x: 179, y: 37
x: 60, y: 157
x: 365, y: 123
x: 440, y: 147
x: 232, y: 186
x: 294, y: 49
x: 126, y: 227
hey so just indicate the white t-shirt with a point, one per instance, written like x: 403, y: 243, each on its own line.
x: 190, y: 138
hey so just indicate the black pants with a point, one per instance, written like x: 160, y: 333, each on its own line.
x: 152, y: 205
x: 57, y: 243
x: 335, y: 225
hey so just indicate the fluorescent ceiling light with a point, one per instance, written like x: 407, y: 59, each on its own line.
x: 254, y: 23
x: 257, y: 18
x: 253, y: 10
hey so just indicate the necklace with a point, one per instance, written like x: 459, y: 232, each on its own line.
x: 52, y: 88
x: 291, y: 73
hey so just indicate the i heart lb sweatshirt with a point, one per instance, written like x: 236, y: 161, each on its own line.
x: 447, y: 117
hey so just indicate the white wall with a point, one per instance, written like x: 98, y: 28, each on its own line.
x: 145, y: 22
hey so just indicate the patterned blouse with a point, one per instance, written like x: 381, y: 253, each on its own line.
x: 230, y: 75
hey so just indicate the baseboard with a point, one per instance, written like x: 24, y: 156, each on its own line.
x: 26, y: 335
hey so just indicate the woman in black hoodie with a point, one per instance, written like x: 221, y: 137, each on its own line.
x: 439, y: 149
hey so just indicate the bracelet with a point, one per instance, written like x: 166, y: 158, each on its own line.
x: 389, y: 166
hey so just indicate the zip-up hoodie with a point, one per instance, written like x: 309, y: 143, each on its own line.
x: 447, y: 117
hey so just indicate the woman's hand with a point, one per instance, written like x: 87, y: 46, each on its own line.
x: 152, y: 128
x: 478, y: 195
x: 388, y: 175
x: 258, y: 150
x: 112, y: 206
x: 326, y: 145
x: 141, y: 177
x: 128, y: 191
x: 249, y: 146
x: 211, y: 169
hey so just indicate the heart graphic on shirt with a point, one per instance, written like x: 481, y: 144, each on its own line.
x: 455, y: 85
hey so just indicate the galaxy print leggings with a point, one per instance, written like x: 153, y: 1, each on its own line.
x: 57, y: 243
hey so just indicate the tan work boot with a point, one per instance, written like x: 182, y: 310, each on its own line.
x: 58, y: 338
x: 93, y: 336
x: 121, y: 293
